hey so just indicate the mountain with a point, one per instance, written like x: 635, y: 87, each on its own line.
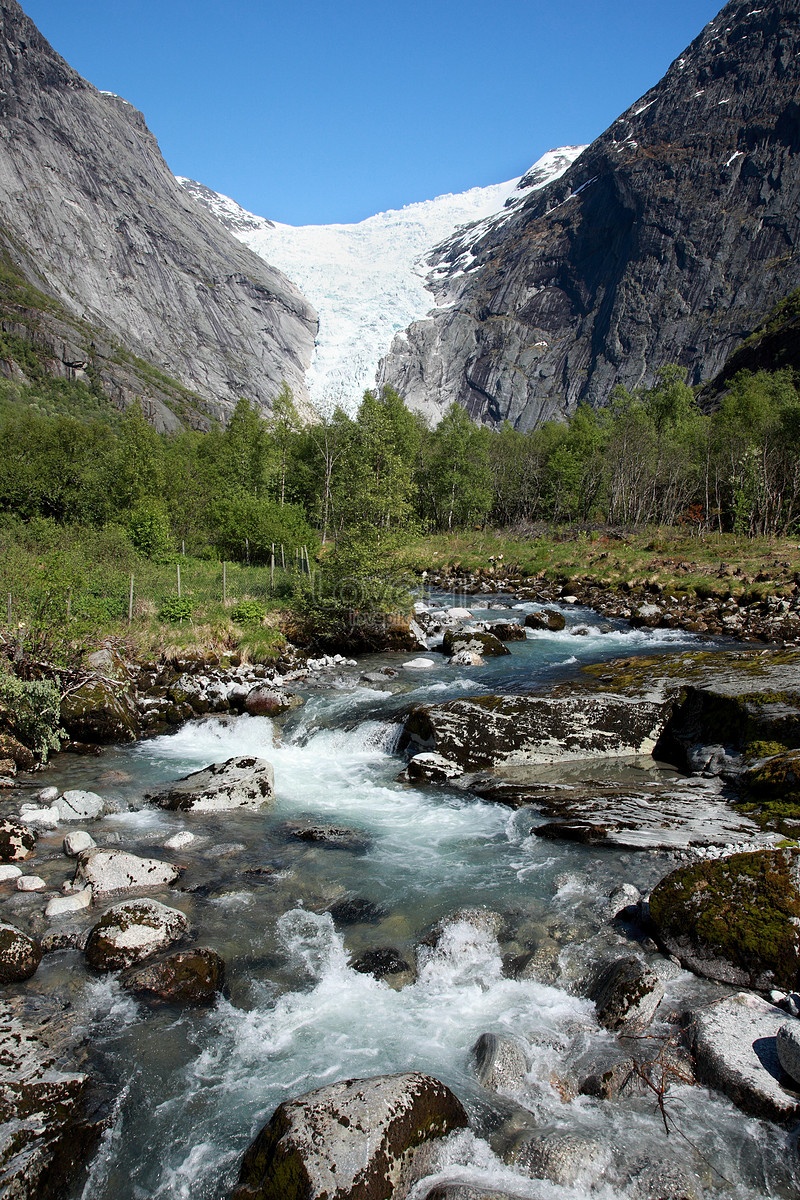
x: 107, y: 262
x: 667, y: 241
x: 369, y: 280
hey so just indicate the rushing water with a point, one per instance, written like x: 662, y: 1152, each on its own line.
x: 196, y: 1085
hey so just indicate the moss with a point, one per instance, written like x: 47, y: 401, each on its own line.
x: 740, y: 909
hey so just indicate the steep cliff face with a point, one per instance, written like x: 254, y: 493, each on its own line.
x: 91, y: 214
x: 666, y: 242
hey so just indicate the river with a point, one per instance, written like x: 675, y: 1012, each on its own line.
x: 195, y: 1086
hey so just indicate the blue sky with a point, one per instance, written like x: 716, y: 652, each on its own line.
x: 318, y: 112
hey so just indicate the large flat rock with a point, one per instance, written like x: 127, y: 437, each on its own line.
x: 734, y: 1046
x: 485, y: 731
x: 244, y: 782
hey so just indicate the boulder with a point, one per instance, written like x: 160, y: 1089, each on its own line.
x: 559, y: 1155
x: 500, y: 1062
x: 357, y: 911
x: 20, y: 955
x: 328, y: 835
x: 31, y: 883
x: 734, y: 1044
x: 484, y: 644
x: 109, y: 871
x: 9, y: 873
x: 362, y: 1139
x: 419, y: 664
x: 132, y: 931
x: 67, y: 906
x: 42, y: 818
x: 547, y: 619
x: 80, y: 806
x: 17, y: 841
x: 787, y: 1046
x: 626, y: 993
x: 734, y: 919
x: 508, y: 631
x: 270, y: 702
x: 76, y: 842
x: 466, y: 658
x: 20, y: 755
x: 186, y: 977
x: 237, y: 783
x: 734, y: 712
x: 100, y: 711
x: 485, y: 731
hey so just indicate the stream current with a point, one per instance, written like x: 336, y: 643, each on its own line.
x: 195, y: 1086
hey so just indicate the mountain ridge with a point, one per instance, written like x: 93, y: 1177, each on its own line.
x: 666, y: 241
x: 92, y: 216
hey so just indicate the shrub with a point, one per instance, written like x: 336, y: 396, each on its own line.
x: 177, y: 608
x: 32, y: 709
x: 248, y: 612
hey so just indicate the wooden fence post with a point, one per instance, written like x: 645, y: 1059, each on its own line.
x: 224, y: 583
x: 179, y: 579
x: 130, y: 602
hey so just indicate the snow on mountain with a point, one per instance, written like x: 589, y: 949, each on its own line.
x: 370, y: 280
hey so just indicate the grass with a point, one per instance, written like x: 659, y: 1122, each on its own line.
x: 680, y: 562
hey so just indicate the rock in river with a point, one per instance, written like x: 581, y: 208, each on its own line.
x: 16, y: 841
x: 186, y: 977
x: 108, y: 871
x: 627, y: 994
x: 735, y: 919
x: 238, y: 783
x: 132, y: 931
x: 362, y: 1139
x: 20, y: 955
x: 733, y: 1042
x: 485, y: 731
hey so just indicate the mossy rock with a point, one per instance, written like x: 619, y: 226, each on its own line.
x: 734, y: 919
x: 21, y: 756
x: 549, y: 619
x: 775, y: 778
x: 99, y: 712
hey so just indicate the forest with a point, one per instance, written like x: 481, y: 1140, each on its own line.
x: 648, y: 458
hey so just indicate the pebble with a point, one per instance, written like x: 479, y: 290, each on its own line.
x: 30, y: 883
x: 8, y: 872
x: 179, y: 840
x: 75, y: 843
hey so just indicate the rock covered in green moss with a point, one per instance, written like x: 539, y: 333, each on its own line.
x: 100, y: 711
x: 736, y: 919
x: 362, y: 1139
x: 132, y: 931
x: 20, y: 955
x: 775, y: 778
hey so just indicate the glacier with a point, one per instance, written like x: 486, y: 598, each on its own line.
x: 370, y: 280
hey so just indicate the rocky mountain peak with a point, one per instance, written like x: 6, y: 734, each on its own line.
x: 665, y: 241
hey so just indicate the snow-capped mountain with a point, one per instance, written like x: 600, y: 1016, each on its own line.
x: 370, y: 280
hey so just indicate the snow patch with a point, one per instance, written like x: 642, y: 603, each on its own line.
x: 736, y: 154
